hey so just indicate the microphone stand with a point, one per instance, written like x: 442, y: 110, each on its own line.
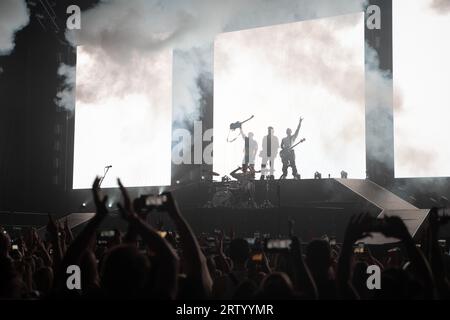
x: 105, y: 171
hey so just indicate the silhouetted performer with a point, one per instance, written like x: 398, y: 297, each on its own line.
x: 270, y: 146
x: 250, y: 149
x: 289, y: 158
x: 246, y: 180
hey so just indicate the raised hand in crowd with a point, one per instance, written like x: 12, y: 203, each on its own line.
x: 81, y: 245
x: 55, y: 239
x: 301, y: 276
x: 194, y: 261
x: 395, y: 227
x: 357, y: 228
x: 435, y: 254
x: 164, y: 272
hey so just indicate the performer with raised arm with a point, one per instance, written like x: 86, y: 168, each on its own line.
x: 250, y: 149
x: 270, y: 146
x: 288, y: 154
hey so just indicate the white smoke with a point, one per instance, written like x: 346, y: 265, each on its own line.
x: 65, y: 98
x: 442, y: 6
x: 117, y: 30
x: 14, y: 16
x: 421, y: 78
x: 378, y: 101
x: 188, y: 68
x: 118, y: 35
x: 313, y: 69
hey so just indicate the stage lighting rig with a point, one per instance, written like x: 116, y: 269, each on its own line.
x: 44, y: 12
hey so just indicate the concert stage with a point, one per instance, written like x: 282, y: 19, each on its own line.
x: 318, y: 207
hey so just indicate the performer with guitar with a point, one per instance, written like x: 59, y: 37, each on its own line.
x: 250, y: 149
x: 250, y: 145
x: 287, y: 153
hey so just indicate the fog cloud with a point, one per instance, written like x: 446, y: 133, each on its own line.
x: 14, y: 16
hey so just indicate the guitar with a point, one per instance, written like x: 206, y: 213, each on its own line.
x: 284, y: 152
x: 239, y: 124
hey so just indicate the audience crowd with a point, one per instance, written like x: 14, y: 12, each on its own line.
x: 148, y: 262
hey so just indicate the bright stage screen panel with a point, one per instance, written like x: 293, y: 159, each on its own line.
x: 123, y: 119
x: 421, y: 48
x: 312, y: 69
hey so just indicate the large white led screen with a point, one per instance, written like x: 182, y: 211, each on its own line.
x: 312, y: 69
x: 123, y: 118
x: 421, y: 88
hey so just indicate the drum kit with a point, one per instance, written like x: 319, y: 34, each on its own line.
x: 231, y: 193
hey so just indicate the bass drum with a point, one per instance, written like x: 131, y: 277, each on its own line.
x: 223, y: 198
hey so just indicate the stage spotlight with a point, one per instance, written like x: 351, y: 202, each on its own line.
x: 110, y: 205
x: 317, y: 175
x: 177, y: 182
x: 161, y: 190
x: 84, y: 204
x: 344, y: 175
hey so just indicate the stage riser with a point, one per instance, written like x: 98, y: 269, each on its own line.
x: 284, y: 193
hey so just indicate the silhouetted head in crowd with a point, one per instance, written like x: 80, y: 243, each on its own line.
x: 89, y: 276
x: 39, y: 263
x: 43, y: 279
x: 10, y: 281
x: 246, y: 290
x: 395, y: 285
x: 125, y: 272
x: 16, y: 255
x: 318, y: 257
x: 394, y: 258
x: 212, y: 267
x: 277, y: 285
x: 5, y: 243
x: 239, y: 252
x: 359, y: 279
x: 446, y: 258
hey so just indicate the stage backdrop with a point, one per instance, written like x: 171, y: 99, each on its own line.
x: 421, y: 50
x: 123, y: 118
x: 313, y: 69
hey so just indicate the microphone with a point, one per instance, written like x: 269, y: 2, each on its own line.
x: 108, y: 167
